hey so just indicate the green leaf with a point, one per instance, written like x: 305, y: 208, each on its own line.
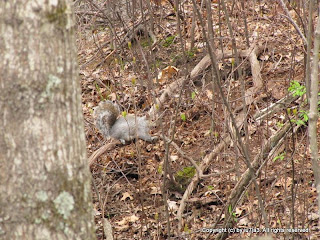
x: 193, y: 95
x: 300, y: 122
x: 280, y: 156
x: 305, y: 117
x: 294, y: 111
x: 188, y: 172
x: 168, y: 41
x: 232, y: 62
x: 186, y: 229
x: 230, y: 209
x: 210, y: 187
x: 289, y: 111
x: 183, y: 117
x: 296, y: 88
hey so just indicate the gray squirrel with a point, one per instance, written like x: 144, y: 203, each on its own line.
x: 107, y: 120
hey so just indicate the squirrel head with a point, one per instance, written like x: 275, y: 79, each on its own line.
x: 105, y: 115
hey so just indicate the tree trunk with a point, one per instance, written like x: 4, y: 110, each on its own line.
x: 44, y: 177
x: 313, y: 112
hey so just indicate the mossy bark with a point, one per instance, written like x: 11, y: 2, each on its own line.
x: 45, y: 181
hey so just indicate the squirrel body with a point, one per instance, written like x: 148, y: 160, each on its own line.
x: 107, y: 120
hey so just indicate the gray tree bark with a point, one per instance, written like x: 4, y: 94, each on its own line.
x: 313, y: 112
x: 44, y: 177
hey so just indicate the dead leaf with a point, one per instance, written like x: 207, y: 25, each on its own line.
x: 174, y: 158
x: 243, y: 221
x: 166, y: 74
x: 133, y: 218
x: 313, y: 216
x: 209, y: 94
x: 122, y: 228
x: 113, y: 96
x: 129, y: 219
x: 125, y: 196
x: 239, y: 212
x: 155, y: 190
x: 172, y: 205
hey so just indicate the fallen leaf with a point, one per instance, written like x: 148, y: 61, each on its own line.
x: 172, y: 205
x: 155, y: 190
x: 126, y: 220
x: 125, y: 196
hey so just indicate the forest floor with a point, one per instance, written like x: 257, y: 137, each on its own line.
x: 128, y: 179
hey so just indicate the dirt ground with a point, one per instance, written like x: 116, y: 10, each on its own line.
x: 128, y: 179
